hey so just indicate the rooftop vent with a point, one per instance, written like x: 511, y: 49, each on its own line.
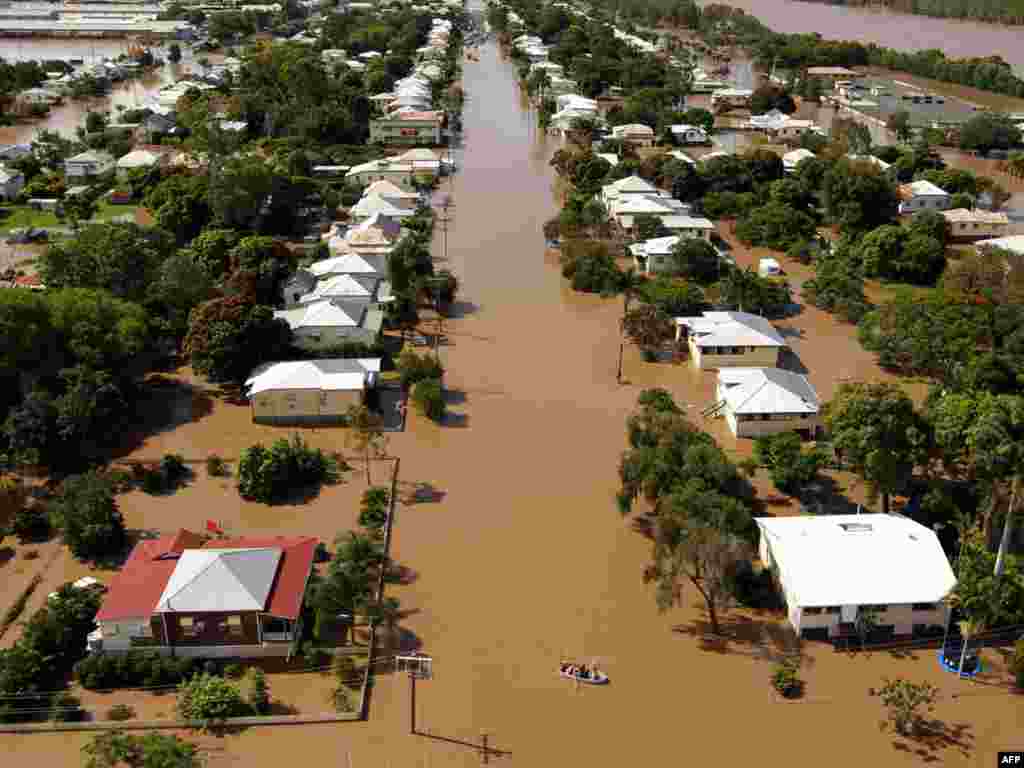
x: 856, y: 527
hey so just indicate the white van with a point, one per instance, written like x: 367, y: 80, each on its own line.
x: 769, y: 268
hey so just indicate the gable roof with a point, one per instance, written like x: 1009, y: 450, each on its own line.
x: 339, y: 286
x: 921, y: 187
x: 91, y: 156
x: 630, y: 185
x: 288, y: 589
x: 208, y: 580
x: 373, y: 203
x: 767, y: 390
x: 348, y: 264
x: 321, y: 314
x: 386, y: 189
x: 732, y: 329
x: 868, y: 559
x: 1013, y: 243
x: 335, y: 375
x: 135, y: 589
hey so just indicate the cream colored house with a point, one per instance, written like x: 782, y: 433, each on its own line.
x: 309, y: 391
x: 634, y: 134
x: 975, y: 225
x: 766, y: 401
x: 730, y: 339
x: 835, y: 571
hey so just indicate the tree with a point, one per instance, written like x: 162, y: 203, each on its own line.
x: 649, y: 327
x: 699, y: 117
x: 121, y: 258
x: 858, y: 197
x: 749, y: 292
x: 114, y: 749
x: 366, y: 435
x: 986, y: 131
x: 270, y: 474
x: 904, y: 701
x: 789, y: 466
x: 86, y: 511
x: 676, y: 298
x: 228, y: 337
x: 899, y: 123
x: 776, y: 226
x: 647, y: 226
x: 768, y: 97
x: 210, y: 699
x: 100, y: 331
x: 876, y: 430
x: 703, y: 554
x: 373, y: 509
x: 428, y: 396
x: 696, y: 259
x: 180, y: 203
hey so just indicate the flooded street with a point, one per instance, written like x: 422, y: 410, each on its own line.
x: 524, y: 559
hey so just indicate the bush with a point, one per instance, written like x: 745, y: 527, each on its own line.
x: 233, y: 670
x: 590, y: 268
x: 271, y: 474
x: 414, y: 368
x: 317, y: 659
x: 373, y: 514
x: 789, y: 465
x: 102, y: 671
x: 86, y: 511
x: 258, y: 694
x: 31, y: 523
x: 342, y: 700
x: 153, y: 482
x: 66, y: 708
x: 210, y: 699
x: 428, y: 396
x: 216, y: 466
x: 120, y: 480
x: 785, y: 680
x: 120, y: 712
x: 345, y: 671
x: 753, y: 587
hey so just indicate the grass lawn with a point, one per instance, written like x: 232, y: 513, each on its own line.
x: 22, y: 216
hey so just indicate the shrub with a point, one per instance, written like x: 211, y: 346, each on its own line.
x: 101, y: 671
x: 753, y: 587
x: 216, y: 466
x: 31, y: 523
x: 318, y: 658
x: 904, y: 702
x: 345, y: 671
x: 120, y: 712
x: 428, y: 396
x: 210, y: 699
x: 120, y: 479
x: 373, y: 514
x: 86, y: 511
x: 153, y: 482
x: 233, y: 670
x: 66, y: 708
x: 257, y: 692
x: 789, y: 465
x: 271, y: 474
x: 342, y: 700
x: 785, y: 680
x: 414, y: 368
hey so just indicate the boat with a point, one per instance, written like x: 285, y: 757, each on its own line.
x: 595, y: 677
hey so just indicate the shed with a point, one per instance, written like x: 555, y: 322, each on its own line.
x: 310, y: 391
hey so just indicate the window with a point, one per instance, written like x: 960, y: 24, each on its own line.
x: 234, y: 626
x: 189, y: 628
x: 323, y: 398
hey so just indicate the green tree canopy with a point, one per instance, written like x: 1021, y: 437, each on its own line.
x: 86, y: 511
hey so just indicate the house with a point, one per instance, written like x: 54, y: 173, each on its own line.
x: 156, y: 124
x: 626, y: 187
x: 350, y: 264
x: 371, y: 288
x: 328, y: 323
x: 1012, y: 243
x: 654, y: 256
x: 625, y: 210
x: 393, y: 194
x: 634, y: 134
x: 688, y: 134
x: 91, y: 164
x: 610, y: 157
x: 310, y: 391
x: 964, y: 224
x: 408, y: 128
x: 682, y: 224
x: 182, y: 595
x: 841, y: 572
x: 138, y: 159
x: 375, y: 204
x: 878, y: 162
x: 731, y: 98
x: 766, y: 401
x: 730, y: 339
x: 398, y: 172
x: 12, y: 181
x: 791, y: 160
x: 833, y: 73
x: 922, y: 196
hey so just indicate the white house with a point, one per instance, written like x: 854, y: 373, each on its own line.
x: 654, y: 256
x: 922, y: 195
x: 791, y: 160
x: 766, y: 401
x: 139, y: 158
x: 730, y: 339
x: 634, y: 134
x: 375, y: 204
x: 1012, y: 243
x: 878, y: 162
x: 835, y: 570
x: 327, y: 323
x: 89, y: 165
x: 688, y: 134
x: 11, y: 183
x: 627, y: 187
x: 730, y: 98
x: 309, y: 391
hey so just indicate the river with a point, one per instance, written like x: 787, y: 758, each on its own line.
x: 959, y: 39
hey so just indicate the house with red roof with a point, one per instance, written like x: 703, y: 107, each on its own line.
x: 185, y: 595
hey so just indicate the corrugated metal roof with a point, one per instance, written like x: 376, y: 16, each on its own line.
x: 218, y: 580
x: 767, y: 390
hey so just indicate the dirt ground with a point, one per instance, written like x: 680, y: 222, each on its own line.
x: 523, y: 560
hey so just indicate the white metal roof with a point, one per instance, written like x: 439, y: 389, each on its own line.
x: 138, y: 158
x: 797, y: 156
x: 630, y: 185
x: 336, y: 287
x: 872, y: 559
x: 387, y: 189
x: 346, y: 264
x: 337, y: 375
x: 320, y: 314
x: 979, y: 216
x: 924, y: 187
x: 376, y: 204
x: 732, y: 329
x: 767, y: 390
x: 216, y: 580
x: 1013, y: 243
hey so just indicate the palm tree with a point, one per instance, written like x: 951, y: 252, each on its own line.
x: 968, y: 628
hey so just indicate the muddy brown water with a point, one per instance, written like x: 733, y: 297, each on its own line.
x: 525, y: 559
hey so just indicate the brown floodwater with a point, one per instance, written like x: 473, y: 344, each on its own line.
x: 960, y: 39
x: 524, y: 558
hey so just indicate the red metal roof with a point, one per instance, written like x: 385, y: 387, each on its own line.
x: 285, y: 599
x: 136, y: 588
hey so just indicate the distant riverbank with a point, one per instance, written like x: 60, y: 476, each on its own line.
x: 939, y: 9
